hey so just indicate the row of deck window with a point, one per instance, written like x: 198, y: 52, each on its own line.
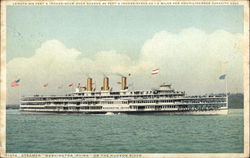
x: 65, y: 108
x: 153, y: 107
x: 124, y: 102
x: 151, y: 101
x: 99, y: 107
x: 192, y: 107
x: 88, y: 97
x: 110, y: 107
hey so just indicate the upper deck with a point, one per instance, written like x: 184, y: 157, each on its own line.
x: 109, y: 94
x: 129, y: 95
x: 165, y: 91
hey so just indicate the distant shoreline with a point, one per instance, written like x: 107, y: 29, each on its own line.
x: 235, y: 101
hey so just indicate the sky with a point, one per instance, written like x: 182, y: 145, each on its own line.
x: 59, y: 45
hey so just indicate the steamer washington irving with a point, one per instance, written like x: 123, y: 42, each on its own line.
x: 164, y: 100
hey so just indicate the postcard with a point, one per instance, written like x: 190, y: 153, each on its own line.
x: 125, y: 78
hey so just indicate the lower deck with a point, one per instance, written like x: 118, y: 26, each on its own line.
x: 121, y: 108
x: 194, y: 112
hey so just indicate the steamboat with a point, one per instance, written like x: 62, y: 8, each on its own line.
x: 164, y: 100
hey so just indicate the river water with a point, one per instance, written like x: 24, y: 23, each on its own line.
x: 79, y: 133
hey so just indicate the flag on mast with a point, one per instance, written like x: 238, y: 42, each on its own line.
x: 155, y: 71
x: 15, y: 83
x: 222, y: 77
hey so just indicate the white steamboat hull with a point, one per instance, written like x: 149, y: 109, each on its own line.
x: 222, y: 111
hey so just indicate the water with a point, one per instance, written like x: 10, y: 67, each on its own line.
x: 79, y: 133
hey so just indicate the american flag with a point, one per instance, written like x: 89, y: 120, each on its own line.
x: 155, y: 71
x: 15, y: 83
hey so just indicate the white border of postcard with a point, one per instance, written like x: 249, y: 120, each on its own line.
x: 5, y: 3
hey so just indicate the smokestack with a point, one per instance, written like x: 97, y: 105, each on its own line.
x: 105, y: 84
x: 124, y: 84
x: 89, y: 84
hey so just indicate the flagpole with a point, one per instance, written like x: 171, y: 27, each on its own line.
x: 226, y: 93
